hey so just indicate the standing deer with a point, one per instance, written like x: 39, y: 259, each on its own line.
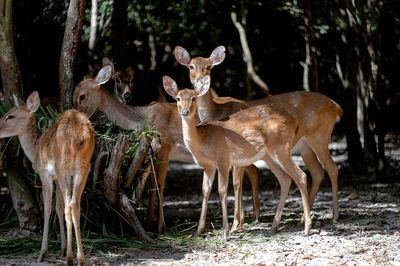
x: 265, y: 132
x: 90, y: 96
x: 314, y: 113
x: 61, y: 154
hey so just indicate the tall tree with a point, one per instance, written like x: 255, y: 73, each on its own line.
x: 72, y: 37
x: 358, y: 19
x: 311, y: 48
x: 119, y: 29
x: 23, y: 203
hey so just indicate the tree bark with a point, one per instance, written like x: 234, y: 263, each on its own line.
x: 312, y: 46
x: 72, y: 37
x: 361, y: 65
x: 113, y: 171
x: 27, y: 212
x: 137, y: 161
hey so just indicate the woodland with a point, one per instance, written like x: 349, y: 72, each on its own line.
x: 346, y: 50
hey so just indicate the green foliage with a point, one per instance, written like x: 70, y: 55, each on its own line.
x: 106, y: 137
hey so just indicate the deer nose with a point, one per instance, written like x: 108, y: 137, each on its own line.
x: 127, y: 96
x: 185, y: 112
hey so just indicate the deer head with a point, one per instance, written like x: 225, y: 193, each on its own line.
x: 15, y: 121
x: 199, y: 66
x: 85, y: 100
x: 186, y: 99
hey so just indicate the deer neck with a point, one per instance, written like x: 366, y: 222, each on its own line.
x: 206, y: 107
x: 124, y: 116
x: 29, y: 140
x: 191, y: 136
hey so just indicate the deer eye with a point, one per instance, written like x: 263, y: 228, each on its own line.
x: 178, y: 99
x: 193, y: 99
x: 9, y: 117
x: 82, y: 97
x: 208, y: 68
x: 191, y: 67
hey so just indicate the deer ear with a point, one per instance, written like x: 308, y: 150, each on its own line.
x: 202, y: 85
x: 130, y: 71
x: 108, y: 62
x: 33, y: 102
x: 218, y: 55
x: 182, y: 56
x: 104, y: 74
x: 170, y: 86
x: 17, y: 102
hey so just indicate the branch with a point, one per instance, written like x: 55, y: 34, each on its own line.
x: 140, y: 154
x: 96, y: 169
x: 247, y: 55
x: 133, y: 221
x: 112, y: 172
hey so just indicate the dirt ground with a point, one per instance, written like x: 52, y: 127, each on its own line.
x: 367, y: 233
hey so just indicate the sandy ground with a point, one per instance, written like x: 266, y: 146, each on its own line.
x: 367, y: 233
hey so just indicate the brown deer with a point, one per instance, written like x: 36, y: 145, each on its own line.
x: 315, y: 114
x: 61, y: 154
x: 123, y: 82
x: 90, y: 96
x: 264, y: 132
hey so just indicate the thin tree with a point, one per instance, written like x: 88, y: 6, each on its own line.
x: 23, y: 203
x: 246, y: 50
x: 72, y: 37
x: 311, y: 80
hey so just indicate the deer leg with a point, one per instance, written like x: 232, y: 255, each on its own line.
x: 76, y: 210
x: 284, y: 182
x: 161, y: 177
x: 68, y: 222
x: 47, y: 192
x: 152, y: 199
x: 208, y: 180
x: 158, y: 184
x: 300, y: 178
x: 223, y: 174
x: 315, y: 169
x: 252, y: 174
x: 237, y: 175
x: 60, y: 215
x: 320, y: 147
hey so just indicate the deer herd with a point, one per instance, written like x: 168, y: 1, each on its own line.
x: 217, y: 133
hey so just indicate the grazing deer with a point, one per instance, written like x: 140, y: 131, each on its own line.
x: 265, y: 132
x: 90, y: 96
x: 61, y: 154
x: 314, y: 113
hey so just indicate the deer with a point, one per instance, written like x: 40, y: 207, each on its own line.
x: 315, y: 114
x: 90, y: 96
x: 123, y: 82
x: 61, y: 155
x: 264, y: 132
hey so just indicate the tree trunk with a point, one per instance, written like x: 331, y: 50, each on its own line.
x: 72, y: 36
x: 93, y: 25
x: 354, y: 148
x: 21, y: 194
x: 311, y: 47
x: 361, y: 72
x: 27, y: 212
x: 119, y: 23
